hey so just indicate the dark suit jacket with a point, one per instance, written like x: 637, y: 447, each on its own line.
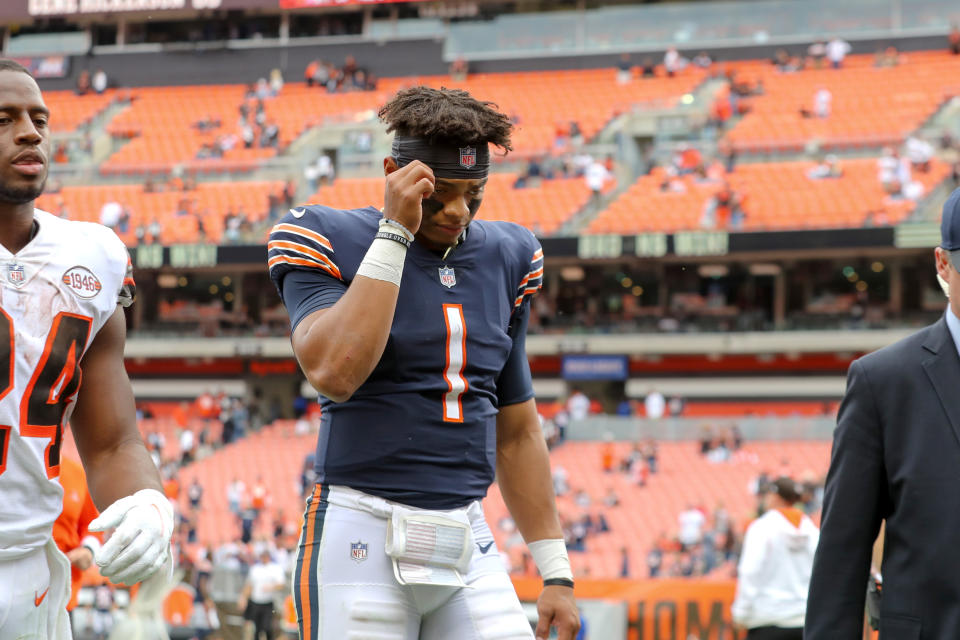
x: 896, y: 456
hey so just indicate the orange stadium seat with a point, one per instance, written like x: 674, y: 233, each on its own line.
x: 543, y: 208
x: 213, y: 200
x: 778, y: 196
x: 864, y: 111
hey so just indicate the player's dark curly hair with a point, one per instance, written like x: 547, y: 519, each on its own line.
x: 446, y: 116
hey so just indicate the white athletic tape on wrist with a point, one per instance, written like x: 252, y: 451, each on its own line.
x: 384, y: 261
x: 551, y: 558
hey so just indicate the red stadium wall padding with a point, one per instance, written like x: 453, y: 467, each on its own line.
x: 663, y: 609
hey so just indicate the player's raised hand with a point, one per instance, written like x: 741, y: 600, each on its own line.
x: 405, y: 191
x: 557, y: 608
x: 141, y: 542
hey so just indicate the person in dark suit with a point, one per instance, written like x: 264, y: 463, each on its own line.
x: 896, y: 457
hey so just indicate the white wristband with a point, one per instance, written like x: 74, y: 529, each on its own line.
x: 384, y: 261
x: 551, y: 558
x: 396, y: 227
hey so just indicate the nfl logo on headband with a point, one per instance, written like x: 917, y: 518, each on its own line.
x: 468, y: 157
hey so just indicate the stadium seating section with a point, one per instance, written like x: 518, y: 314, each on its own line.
x: 865, y: 111
x: 68, y: 111
x: 212, y: 201
x: 684, y: 478
x: 543, y: 208
x: 159, y: 121
x: 776, y: 196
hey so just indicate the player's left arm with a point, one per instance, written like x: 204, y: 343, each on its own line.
x: 120, y: 473
x: 523, y: 473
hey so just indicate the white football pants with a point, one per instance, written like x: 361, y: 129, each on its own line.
x: 342, y: 595
x: 34, y: 590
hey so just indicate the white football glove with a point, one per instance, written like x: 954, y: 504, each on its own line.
x: 141, y: 542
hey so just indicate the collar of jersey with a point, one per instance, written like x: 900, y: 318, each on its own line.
x: 464, y: 255
x: 38, y: 229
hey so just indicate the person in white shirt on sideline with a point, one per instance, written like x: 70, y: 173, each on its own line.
x: 775, y: 566
x: 265, y: 580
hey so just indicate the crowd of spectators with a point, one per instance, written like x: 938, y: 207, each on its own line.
x: 348, y: 77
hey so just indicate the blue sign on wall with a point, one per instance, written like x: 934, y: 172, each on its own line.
x: 583, y: 367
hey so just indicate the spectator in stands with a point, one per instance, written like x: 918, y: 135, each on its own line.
x: 187, y: 444
x: 654, y: 404
x: 236, y: 493
x: 706, y: 439
x: 611, y: 498
x: 578, y: 404
x: 99, y: 83
x: 110, y: 214
x: 459, y: 69
x: 262, y: 90
x: 886, y: 57
x: 893, y: 171
x: 195, y: 493
x: 817, y: 52
x: 624, y: 69
x: 775, y: 567
x: 247, y: 135
x: 271, y: 135
x: 673, y: 62
x: 837, y: 50
x: 648, y: 69
x: 954, y: 39
x: 607, y: 453
x: 655, y: 561
x: 723, y: 210
x: 259, y: 496
x: 624, y: 563
x: 265, y: 580
x: 310, y: 74
x: 83, y: 83
x: 561, y: 486
x: 786, y: 63
x: 596, y: 176
x: 651, y: 452
x: 822, y: 103
x: 829, y: 167
x: 703, y: 60
x: 349, y: 65
x: 691, y: 521
x: 920, y: 153
x: 276, y: 82
x: 729, y: 155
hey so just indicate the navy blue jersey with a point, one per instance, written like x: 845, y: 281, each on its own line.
x: 422, y: 429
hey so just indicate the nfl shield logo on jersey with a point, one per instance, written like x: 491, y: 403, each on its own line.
x: 468, y: 157
x: 16, y: 274
x: 447, y: 277
x: 358, y: 551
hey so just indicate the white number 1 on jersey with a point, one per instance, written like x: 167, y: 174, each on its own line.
x: 456, y: 362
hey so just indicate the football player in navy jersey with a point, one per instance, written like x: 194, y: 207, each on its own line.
x: 411, y: 324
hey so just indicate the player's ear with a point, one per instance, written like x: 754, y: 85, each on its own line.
x: 389, y: 165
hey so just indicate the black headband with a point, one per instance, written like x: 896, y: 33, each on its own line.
x: 470, y: 162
